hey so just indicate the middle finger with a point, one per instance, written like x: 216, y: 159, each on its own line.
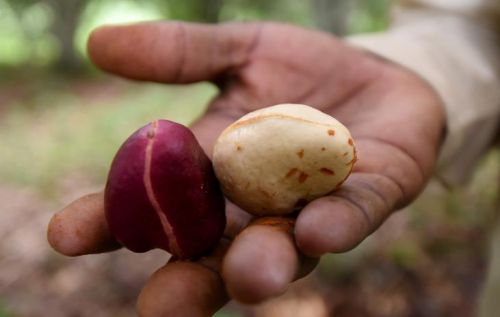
x: 263, y: 260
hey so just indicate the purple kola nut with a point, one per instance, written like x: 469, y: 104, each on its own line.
x: 162, y: 193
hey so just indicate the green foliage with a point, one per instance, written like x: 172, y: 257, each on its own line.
x: 20, y: 5
x: 43, y: 33
x: 106, y: 12
x: 291, y: 11
x: 191, y: 10
x: 22, y: 31
x: 369, y: 16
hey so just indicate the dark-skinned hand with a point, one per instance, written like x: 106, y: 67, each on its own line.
x: 395, y: 118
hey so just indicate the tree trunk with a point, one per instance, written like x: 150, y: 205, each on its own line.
x: 211, y: 10
x: 67, y: 16
x: 332, y: 15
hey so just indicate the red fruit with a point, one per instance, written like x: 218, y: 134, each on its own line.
x: 162, y: 193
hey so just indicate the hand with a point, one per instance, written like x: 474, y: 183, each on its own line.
x: 395, y: 118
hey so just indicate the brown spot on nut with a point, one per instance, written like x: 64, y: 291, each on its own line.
x: 301, y: 153
x: 303, y: 177
x: 350, y: 142
x: 291, y: 172
x: 326, y: 171
x: 345, y: 153
x: 331, y: 132
x: 265, y: 193
x: 323, y: 148
x: 239, y: 148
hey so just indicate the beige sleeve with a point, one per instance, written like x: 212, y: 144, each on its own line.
x: 459, y: 55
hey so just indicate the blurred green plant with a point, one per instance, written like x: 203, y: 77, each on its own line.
x: 52, y: 33
x: 369, y: 16
x: 5, y: 312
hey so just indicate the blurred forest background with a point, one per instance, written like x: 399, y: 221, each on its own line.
x: 61, y: 121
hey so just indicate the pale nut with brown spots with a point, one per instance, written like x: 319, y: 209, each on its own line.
x: 275, y: 160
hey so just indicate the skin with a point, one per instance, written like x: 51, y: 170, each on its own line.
x: 395, y: 118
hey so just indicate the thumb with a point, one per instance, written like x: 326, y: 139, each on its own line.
x: 171, y: 52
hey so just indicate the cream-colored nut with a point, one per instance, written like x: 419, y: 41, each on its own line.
x: 274, y: 160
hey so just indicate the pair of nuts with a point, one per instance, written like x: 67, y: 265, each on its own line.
x: 162, y: 191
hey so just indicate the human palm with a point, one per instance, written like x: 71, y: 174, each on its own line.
x: 396, y: 121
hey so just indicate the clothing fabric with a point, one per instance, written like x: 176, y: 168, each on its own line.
x: 455, y: 46
x: 458, y: 54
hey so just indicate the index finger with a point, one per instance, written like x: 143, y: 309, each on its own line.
x: 171, y: 52
x: 80, y: 228
x: 198, y: 288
